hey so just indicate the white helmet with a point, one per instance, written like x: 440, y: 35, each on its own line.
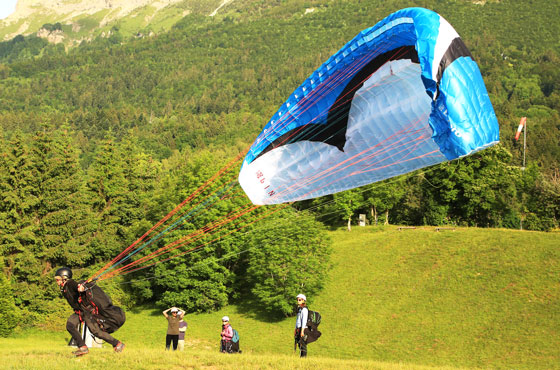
x: 301, y: 296
x: 225, y: 318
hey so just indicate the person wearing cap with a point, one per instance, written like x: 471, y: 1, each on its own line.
x: 92, y: 307
x: 301, y: 323
x: 227, y: 334
x: 173, y: 326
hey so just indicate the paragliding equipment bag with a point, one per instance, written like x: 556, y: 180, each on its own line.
x: 235, y: 342
x: 313, y: 321
x: 231, y: 346
x: 100, y: 307
x: 313, y: 318
x: 235, y: 338
x: 112, y: 319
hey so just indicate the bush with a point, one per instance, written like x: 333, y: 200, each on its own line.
x: 9, y: 314
x: 290, y: 257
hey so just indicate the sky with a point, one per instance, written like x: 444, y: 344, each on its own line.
x: 7, y: 7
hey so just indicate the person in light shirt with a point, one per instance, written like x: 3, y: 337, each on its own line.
x: 301, y: 325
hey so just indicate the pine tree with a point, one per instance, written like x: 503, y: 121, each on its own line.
x: 112, y: 201
x: 9, y: 315
x: 141, y: 173
x: 65, y: 219
x: 18, y: 226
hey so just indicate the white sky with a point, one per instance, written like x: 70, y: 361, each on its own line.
x: 7, y: 7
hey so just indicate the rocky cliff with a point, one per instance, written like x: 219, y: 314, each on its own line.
x: 69, y: 9
x: 77, y: 15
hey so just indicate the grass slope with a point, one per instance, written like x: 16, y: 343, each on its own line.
x: 473, y: 297
x: 395, y: 299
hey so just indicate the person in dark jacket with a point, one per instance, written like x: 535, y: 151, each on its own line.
x: 93, y: 307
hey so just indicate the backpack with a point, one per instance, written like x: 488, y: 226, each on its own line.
x: 96, y: 303
x: 232, y: 346
x: 313, y: 318
x: 235, y: 337
x: 313, y: 321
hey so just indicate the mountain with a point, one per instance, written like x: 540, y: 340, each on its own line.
x: 72, y: 21
x: 215, y: 82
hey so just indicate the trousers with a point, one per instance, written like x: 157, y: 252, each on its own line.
x: 171, y: 338
x: 73, y: 327
x: 301, y: 342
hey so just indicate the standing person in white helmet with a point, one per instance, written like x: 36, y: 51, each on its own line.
x: 227, y: 334
x: 300, y: 336
x: 173, y: 327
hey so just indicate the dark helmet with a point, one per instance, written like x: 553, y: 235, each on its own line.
x: 64, y: 272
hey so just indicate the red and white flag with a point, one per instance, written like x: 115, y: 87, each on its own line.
x: 520, y: 128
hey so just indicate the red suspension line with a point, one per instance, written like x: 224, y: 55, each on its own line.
x: 187, y: 239
x: 211, y: 241
x: 329, y: 171
x: 169, y: 215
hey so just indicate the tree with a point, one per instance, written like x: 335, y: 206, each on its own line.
x: 199, y: 286
x: 199, y: 280
x: 539, y: 199
x: 111, y: 200
x: 333, y: 208
x: 63, y: 214
x: 478, y: 190
x: 9, y: 314
x: 383, y: 196
x: 18, y: 229
x: 348, y: 202
x: 288, y: 254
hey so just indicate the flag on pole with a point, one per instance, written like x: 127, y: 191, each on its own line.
x: 520, y: 128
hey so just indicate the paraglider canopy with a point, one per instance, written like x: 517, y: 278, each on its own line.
x: 402, y: 95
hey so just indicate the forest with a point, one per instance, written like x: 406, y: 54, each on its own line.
x: 100, y: 141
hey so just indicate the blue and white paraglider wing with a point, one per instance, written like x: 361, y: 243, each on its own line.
x: 402, y: 95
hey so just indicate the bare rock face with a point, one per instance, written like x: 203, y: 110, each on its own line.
x: 54, y: 37
x: 72, y: 8
x: 67, y: 10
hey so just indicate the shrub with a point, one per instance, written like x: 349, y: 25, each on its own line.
x: 9, y: 314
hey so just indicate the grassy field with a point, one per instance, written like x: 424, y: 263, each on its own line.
x: 39, y: 354
x: 395, y: 299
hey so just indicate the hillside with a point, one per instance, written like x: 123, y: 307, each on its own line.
x: 100, y: 141
x: 461, y: 298
x: 467, y: 297
x: 84, y: 20
x: 238, y: 62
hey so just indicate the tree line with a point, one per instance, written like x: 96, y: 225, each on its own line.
x: 54, y: 213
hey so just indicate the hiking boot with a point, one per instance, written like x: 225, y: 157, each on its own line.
x: 119, y: 347
x: 81, y: 351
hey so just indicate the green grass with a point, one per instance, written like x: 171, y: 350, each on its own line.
x: 474, y: 297
x: 41, y: 355
x: 409, y: 299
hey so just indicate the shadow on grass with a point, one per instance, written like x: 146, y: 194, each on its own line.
x: 249, y: 306
x: 256, y: 311
x: 152, y: 309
